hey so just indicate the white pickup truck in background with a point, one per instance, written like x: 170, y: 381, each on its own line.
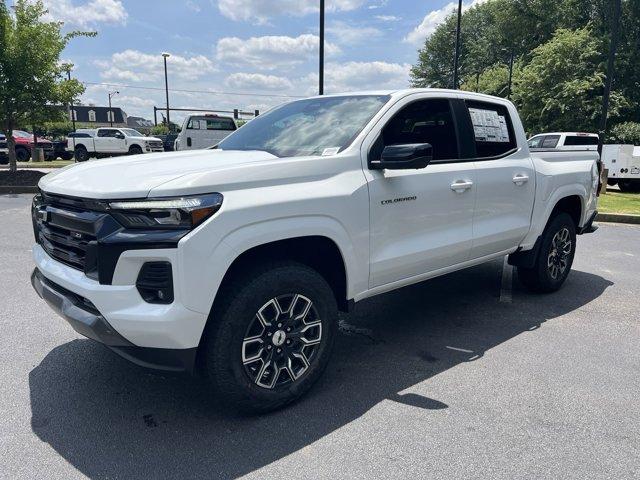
x: 110, y: 142
x: 565, y: 141
x: 234, y: 261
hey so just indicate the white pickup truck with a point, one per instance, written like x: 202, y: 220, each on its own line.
x: 234, y: 261
x: 110, y: 142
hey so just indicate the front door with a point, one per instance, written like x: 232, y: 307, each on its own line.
x: 420, y: 220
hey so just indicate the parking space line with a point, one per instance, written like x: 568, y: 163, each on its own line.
x: 507, y: 281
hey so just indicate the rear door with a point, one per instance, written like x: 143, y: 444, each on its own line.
x: 505, y: 177
x: 420, y: 220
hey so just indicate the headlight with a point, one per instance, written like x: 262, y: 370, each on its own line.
x: 166, y: 213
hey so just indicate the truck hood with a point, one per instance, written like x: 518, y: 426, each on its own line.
x: 136, y: 176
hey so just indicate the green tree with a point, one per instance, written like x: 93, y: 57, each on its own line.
x: 31, y: 74
x: 561, y: 88
x: 626, y: 132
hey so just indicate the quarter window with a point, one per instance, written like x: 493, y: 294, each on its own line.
x: 424, y: 121
x: 580, y: 140
x: 492, y: 129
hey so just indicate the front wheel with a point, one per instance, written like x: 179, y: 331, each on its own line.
x: 135, y: 150
x: 271, y: 338
x: 553, y: 264
x: 22, y: 154
x: 81, y: 154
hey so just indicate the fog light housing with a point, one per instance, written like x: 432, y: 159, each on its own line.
x: 155, y: 282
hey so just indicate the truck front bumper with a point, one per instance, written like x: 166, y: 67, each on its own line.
x: 162, y: 337
x: 85, y: 319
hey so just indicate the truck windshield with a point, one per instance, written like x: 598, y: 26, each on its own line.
x: 316, y: 126
x: 130, y: 132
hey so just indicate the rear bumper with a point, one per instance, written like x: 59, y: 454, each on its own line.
x: 87, y: 320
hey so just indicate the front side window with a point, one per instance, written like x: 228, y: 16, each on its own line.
x: 425, y: 121
x: 106, y: 132
x: 194, y: 124
x: 536, y: 142
x: 492, y: 129
x: 315, y: 126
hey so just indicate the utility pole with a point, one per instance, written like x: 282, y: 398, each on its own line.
x: 457, y: 53
x: 510, y: 75
x: 613, y: 46
x: 111, y: 95
x: 71, y: 109
x: 321, y: 65
x: 165, y: 55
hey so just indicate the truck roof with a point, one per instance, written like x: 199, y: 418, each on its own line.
x: 579, y: 134
x: 407, y: 91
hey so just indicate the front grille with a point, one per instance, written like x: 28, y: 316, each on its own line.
x: 66, y: 231
x: 156, y: 144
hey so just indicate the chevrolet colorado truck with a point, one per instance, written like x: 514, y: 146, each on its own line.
x: 234, y: 261
x: 110, y: 142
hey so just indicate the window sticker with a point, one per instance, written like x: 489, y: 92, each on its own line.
x: 330, y: 151
x: 488, y: 126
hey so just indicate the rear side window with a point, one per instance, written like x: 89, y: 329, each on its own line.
x: 580, y: 140
x: 492, y: 129
x: 550, y: 141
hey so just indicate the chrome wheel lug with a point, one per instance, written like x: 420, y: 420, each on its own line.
x: 268, y: 347
x: 269, y: 334
x: 288, y: 329
x: 288, y: 342
x: 279, y: 325
x: 279, y: 350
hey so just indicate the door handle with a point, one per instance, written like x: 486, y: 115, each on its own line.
x: 460, y: 186
x: 520, y: 179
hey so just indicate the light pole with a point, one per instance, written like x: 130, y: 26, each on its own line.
x: 613, y: 46
x: 457, y: 53
x: 71, y: 109
x: 111, y: 95
x: 166, y: 55
x: 321, y: 59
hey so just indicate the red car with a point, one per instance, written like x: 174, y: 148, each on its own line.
x: 24, y: 143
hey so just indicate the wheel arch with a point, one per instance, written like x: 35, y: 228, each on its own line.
x: 316, y: 251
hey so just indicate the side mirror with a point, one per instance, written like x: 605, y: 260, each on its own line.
x: 120, y: 136
x: 404, y: 157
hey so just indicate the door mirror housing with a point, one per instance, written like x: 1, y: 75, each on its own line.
x: 120, y: 136
x: 404, y: 157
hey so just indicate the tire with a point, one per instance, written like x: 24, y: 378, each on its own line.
x: 239, y: 346
x: 22, y: 154
x: 135, y: 150
x: 612, y: 182
x: 629, y: 186
x: 66, y: 156
x: 81, y: 154
x: 555, y: 257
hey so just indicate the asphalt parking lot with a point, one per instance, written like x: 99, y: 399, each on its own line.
x: 458, y: 377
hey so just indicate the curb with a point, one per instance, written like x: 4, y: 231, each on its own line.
x: 4, y: 189
x: 618, y: 218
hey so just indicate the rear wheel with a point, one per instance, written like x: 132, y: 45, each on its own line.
x: 629, y: 186
x: 553, y: 264
x: 81, y: 154
x: 22, y: 154
x: 272, y: 336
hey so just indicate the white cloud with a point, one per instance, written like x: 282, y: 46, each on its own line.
x: 435, y: 18
x: 270, y: 52
x: 387, y: 18
x: 257, y: 82
x: 260, y: 11
x: 354, y: 76
x: 345, y: 34
x: 193, y: 6
x: 136, y: 66
x: 87, y: 14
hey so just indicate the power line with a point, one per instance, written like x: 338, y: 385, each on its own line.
x: 246, y: 94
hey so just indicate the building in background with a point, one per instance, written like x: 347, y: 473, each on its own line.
x: 99, y: 116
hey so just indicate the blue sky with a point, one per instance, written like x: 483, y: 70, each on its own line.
x: 264, y: 50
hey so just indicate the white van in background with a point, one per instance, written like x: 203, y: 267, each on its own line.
x: 204, y: 131
x: 623, y: 163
